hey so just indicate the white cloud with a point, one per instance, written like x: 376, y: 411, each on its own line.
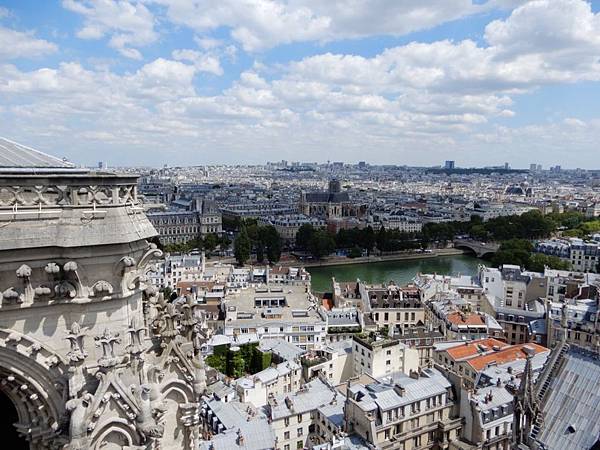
x: 18, y: 44
x: 413, y: 101
x: 261, y: 24
x: 203, y: 62
x: 127, y: 23
x: 206, y: 43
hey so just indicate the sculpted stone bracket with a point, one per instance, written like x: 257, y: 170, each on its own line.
x: 63, y: 284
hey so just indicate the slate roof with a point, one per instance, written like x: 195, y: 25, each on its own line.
x: 327, y: 197
x: 570, y: 408
x: 14, y: 155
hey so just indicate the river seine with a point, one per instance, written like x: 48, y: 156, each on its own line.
x: 400, y: 272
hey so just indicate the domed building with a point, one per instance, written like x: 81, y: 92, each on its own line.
x: 90, y: 355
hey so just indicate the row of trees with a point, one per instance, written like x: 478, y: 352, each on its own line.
x: 319, y: 242
x: 207, y: 243
x: 530, y: 225
x: 264, y: 241
x: 520, y: 252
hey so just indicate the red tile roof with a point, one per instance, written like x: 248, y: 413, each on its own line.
x: 473, y: 348
x: 506, y: 355
x: 472, y: 318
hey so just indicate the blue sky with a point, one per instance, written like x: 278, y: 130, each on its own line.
x: 157, y: 82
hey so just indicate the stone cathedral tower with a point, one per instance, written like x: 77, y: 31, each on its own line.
x: 91, y: 357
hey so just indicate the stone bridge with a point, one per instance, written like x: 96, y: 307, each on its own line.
x: 480, y: 248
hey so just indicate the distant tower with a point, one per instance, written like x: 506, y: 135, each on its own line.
x: 449, y: 165
x: 335, y: 186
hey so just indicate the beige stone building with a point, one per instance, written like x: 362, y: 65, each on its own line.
x: 407, y: 413
x: 90, y: 356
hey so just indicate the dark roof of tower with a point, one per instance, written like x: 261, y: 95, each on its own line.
x: 14, y: 155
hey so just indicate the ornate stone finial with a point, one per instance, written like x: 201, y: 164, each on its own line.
x: 75, y: 338
x: 151, y: 291
x: 24, y: 271
x: 189, y: 320
x: 199, y: 375
x: 128, y: 261
x: 65, y: 289
x: 11, y: 295
x: 136, y: 335
x: 71, y: 266
x: 52, y: 268
x: 563, y: 323
x: 42, y: 291
x: 169, y: 317
x: 107, y: 341
x: 102, y: 287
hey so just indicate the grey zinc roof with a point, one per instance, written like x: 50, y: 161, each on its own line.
x: 14, y: 155
x: 571, y: 412
x: 257, y: 434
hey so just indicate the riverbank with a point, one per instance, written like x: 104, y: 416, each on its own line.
x: 344, y: 261
x: 399, y: 271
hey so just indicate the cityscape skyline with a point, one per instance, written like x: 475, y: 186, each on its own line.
x: 149, y: 83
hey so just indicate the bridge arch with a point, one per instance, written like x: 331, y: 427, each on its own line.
x: 479, y: 249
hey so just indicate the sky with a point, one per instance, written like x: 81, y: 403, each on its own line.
x: 416, y: 82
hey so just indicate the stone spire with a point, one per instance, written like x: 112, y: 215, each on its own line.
x: 526, y: 409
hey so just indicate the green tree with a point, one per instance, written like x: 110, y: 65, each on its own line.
x: 513, y: 251
x: 368, y: 239
x: 304, y: 235
x: 210, y: 242
x: 381, y: 239
x: 478, y: 232
x: 355, y: 252
x: 321, y: 244
x: 242, y: 247
x: 272, y: 243
x: 538, y: 261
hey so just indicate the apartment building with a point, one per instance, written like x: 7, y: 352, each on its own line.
x: 273, y: 381
x: 179, y: 225
x: 334, y: 363
x: 578, y: 321
x: 516, y: 297
x: 309, y: 416
x: 377, y: 356
x: 469, y: 359
x: 405, y: 412
x: 288, y: 225
x: 460, y: 322
x: 277, y: 311
x: 393, y: 306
